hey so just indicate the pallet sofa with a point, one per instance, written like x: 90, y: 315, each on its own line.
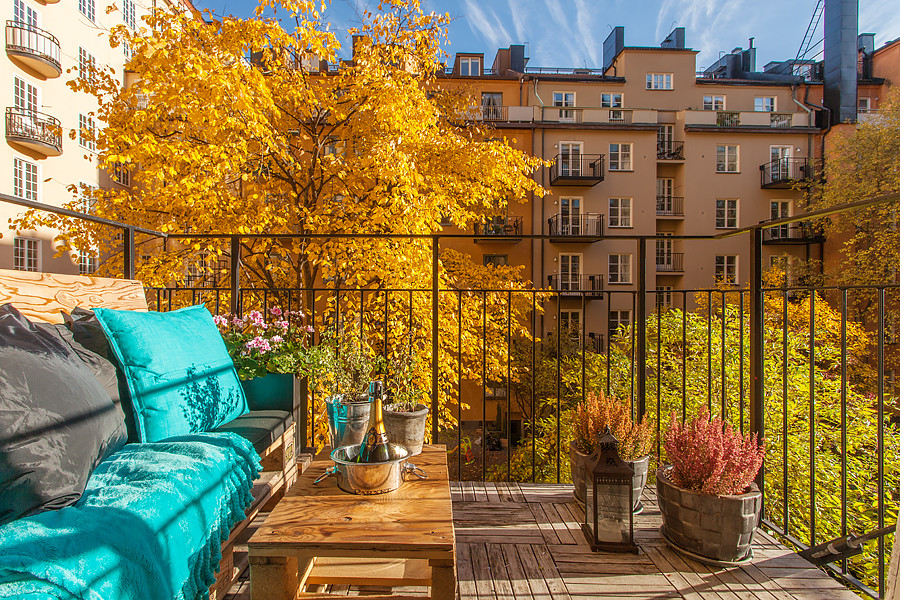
x: 43, y: 297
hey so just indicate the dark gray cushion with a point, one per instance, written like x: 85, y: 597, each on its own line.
x: 259, y: 427
x: 56, y: 420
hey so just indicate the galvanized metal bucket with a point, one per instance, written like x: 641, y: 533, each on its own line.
x: 370, y: 478
x: 347, y: 420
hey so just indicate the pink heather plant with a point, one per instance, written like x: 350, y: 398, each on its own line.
x: 708, y: 456
x: 258, y: 347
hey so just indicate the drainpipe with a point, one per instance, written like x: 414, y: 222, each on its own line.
x: 808, y: 116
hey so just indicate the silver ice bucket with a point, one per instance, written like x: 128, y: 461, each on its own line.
x: 347, y: 421
x: 370, y: 478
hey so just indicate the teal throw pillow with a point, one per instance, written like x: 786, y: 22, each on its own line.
x: 180, y: 376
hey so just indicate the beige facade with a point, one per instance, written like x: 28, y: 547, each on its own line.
x: 46, y: 42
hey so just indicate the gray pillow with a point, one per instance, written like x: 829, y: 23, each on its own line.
x: 56, y: 420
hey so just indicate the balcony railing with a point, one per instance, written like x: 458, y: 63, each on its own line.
x: 670, y: 262
x: 494, y: 113
x: 781, y: 119
x: 728, y: 119
x: 669, y: 206
x: 34, y: 130
x: 787, y: 172
x: 577, y: 169
x: 502, y: 226
x: 793, y: 233
x: 669, y: 150
x: 37, y: 48
x: 589, y: 285
x: 575, y: 228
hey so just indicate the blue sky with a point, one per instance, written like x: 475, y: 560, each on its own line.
x: 570, y: 33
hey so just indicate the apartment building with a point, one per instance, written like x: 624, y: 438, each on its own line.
x: 50, y: 42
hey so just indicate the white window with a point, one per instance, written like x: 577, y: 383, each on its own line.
x: 620, y: 157
x: 565, y: 99
x: 618, y: 319
x: 88, y: 8
x: 620, y: 212
x: 570, y: 216
x: 780, y: 209
x: 620, y: 268
x: 470, y: 66
x: 664, y: 296
x: 610, y: 100
x: 726, y: 269
x: 26, y: 96
x: 727, y: 213
x: 569, y: 272
x: 25, y: 180
x: 122, y: 174
x: 570, y: 158
x: 87, y: 202
x: 24, y: 14
x: 26, y: 254
x: 492, y: 106
x: 128, y: 13
x: 727, y: 159
x: 764, y: 104
x: 87, y: 65
x: 570, y: 320
x: 87, y: 133
x: 659, y: 81
x: 665, y: 187
x: 864, y: 105
x: 713, y: 102
x: 87, y: 262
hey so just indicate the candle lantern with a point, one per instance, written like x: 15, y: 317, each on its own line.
x: 608, y: 517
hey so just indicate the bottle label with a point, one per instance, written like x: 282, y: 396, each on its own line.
x: 374, y: 437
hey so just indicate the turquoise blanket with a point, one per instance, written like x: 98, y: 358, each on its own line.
x: 149, y: 525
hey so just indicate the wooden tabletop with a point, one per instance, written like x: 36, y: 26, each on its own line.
x: 414, y: 521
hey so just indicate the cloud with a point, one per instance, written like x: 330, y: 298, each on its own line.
x: 518, y: 11
x: 488, y: 26
x: 882, y: 18
x: 584, y: 14
x: 707, y: 21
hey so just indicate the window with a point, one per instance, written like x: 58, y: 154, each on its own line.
x: 565, y: 99
x: 864, y: 105
x: 780, y: 209
x: 610, y: 100
x: 87, y: 133
x: 492, y: 106
x: 87, y: 262
x: 496, y: 260
x: 25, y: 179
x: 620, y: 157
x: 122, y: 174
x: 570, y: 216
x: 617, y: 320
x: 665, y: 254
x: 88, y: 8
x: 659, y: 81
x: 569, y: 272
x: 663, y: 296
x: 26, y: 254
x: 620, y: 212
x: 470, y: 66
x: 570, y: 158
x: 87, y: 65
x: 570, y: 320
x: 24, y: 14
x: 25, y: 95
x: 726, y: 214
x: 620, y: 268
x: 727, y: 159
x: 726, y: 269
x: 764, y: 104
x: 86, y: 200
x: 713, y: 102
x: 128, y: 13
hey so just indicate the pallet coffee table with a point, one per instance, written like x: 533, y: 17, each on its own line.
x: 320, y: 534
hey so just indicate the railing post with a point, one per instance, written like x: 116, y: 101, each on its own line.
x: 757, y: 339
x: 434, y: 339
x: 640, y: 324
x: 128, y: 252
x: 235, y: 274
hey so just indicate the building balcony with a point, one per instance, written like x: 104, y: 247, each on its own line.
x: 793, y: 233
x: 33, y: 130
x: 670, y: 262
x: 589, y: 286
x: 34, y: 48
x: 502, y: 228
x: 577, y: 169
x: 594, y: 342
x: 786, y: 173
x: 670, y: 206
x: 706, y: 120
x: 595, y: 115
x: 669, y: 150
x: 575, y: 229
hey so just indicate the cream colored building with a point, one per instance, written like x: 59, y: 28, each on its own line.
x: 46, y: 43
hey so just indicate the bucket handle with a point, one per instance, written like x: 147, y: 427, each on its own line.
x: 332, y: 470
x: 417, y: 471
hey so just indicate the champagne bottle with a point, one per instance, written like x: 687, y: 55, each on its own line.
x: 374, y: 447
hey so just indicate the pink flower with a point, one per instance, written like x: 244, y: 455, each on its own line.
x: 308, y: 329
x: 275, y: 339
x: 275, y: 311
x: 220, y: 320
x: 283, y: 324
x: 258, y: 343
x: 237, y: 322
x: 256, y: 319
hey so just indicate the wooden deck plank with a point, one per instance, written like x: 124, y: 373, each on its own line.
x: 539, y: 588
x: 499, y: 574
x: 484, y: 583
x: 464, y: 573
x: 543, y: 523
x: 517, y: 577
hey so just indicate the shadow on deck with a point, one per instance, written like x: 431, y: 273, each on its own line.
x: 524, y: 541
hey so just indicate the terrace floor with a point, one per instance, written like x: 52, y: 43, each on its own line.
x: 524, y: 541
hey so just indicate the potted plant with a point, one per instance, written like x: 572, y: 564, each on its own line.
x: 406, y: 411
x: 709, y: 503
x: 591, y: 418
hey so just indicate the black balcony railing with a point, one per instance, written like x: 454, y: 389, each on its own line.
x: 594, y: 342
x: 669, y: 206
x: 33, y: 129
x: 793, y: 233
x: 787, y: 172
x: 502, y: 226
x: 577, y: 169
x: 40, y: 48
x: 576, y: 284
x: 563, y: 227
x: 669, y: 150
x: 670, y: 262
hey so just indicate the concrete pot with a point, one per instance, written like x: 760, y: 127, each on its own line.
x: 406, y: 428
x: 581, y: 463
x: 715, y: 528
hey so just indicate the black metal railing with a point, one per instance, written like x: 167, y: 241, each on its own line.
x: 575, y: 284
x: 786, y: 172
x: 669, y: 206
x: 670, y: 262
x: 794, y: 233
x: 577, y: 169
x: 669, y: 150
x: 25, y: 39
x: 32, y: 126
x: 728, y: 119
x: 577, y: 226
x: 501, y: 226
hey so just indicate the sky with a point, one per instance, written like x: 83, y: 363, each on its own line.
x: 570, y: 33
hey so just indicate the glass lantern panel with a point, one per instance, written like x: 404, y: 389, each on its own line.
x: 612, y: 505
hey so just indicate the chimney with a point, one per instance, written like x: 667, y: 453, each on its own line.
x: 674, y: 40
x: 841, y: 47
x: 517, y: 58
x: 866, y: 42
x: 613, y: 46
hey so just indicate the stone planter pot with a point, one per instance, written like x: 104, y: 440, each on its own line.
x: 281, y: 391
x: 407, y: 428
x: 581, y: 463
x: 717, y: 529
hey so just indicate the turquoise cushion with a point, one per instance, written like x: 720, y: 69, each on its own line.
x: 180, y: 376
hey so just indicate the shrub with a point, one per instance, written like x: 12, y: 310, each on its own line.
x: 598, y: 412
x: 709, y: 456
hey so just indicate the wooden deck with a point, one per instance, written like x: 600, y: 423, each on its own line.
x: 524, y: 541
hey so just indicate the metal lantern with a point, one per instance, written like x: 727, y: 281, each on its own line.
x: 608, y: 517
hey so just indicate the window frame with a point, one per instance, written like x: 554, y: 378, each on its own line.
x: 619, y: 152
x: 618, y: 320
x: 569, y: 285
x: 619, y: 270
x: 627, y: 200
x: 667, y: 81
x: 725, y: 279
x: 86, y: 59
x: 566, y: 111
x: 490, y: 260
x: 611, y: 103
x: 129, y: 16
x: 88, y: 9
x: 469, y: 61
x: 21, y: 181
x: 713, y: 104
x: 868, y: 105
x: 737, y: 158
x: 86, y: 122
x: 756, y: 103
x: 26, y: 259
x: 725, y: 217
